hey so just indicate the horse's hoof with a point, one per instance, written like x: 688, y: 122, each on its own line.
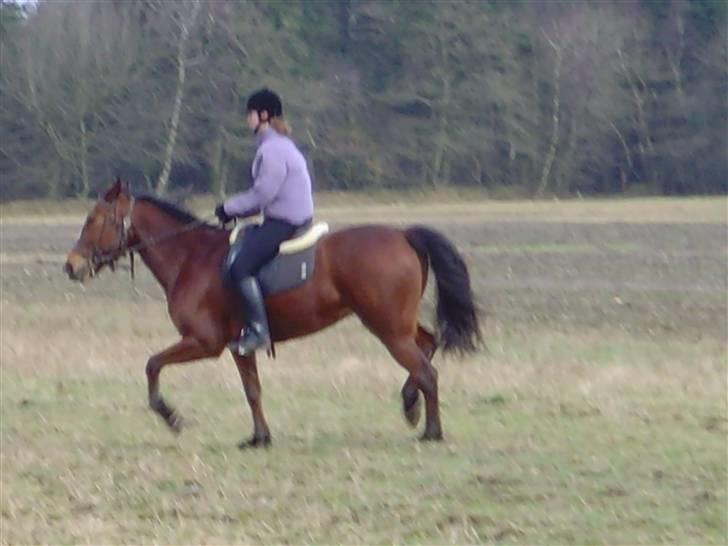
x: 431, y: 436
x: 254, y: 442
x: 176, y: 423
x: 412, y: 414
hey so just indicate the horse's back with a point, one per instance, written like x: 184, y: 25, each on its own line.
x: 371, y: 258
x: 366, y: 236
x: 370, y: 270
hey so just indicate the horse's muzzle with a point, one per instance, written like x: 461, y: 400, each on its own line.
x: 76, y: 268
x: 68, y: 270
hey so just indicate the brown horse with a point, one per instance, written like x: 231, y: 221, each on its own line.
x: 377, y: 272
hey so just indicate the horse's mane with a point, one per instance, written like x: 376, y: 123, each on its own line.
x: 175, y: 211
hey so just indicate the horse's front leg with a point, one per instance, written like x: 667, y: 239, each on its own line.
x: 185, y: 350
x: 249, y: 374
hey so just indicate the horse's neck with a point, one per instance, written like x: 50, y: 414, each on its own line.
x: 161, y: 251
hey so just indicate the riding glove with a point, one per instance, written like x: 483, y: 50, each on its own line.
x: 222, y: 215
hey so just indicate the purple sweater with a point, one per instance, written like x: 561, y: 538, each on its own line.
x: 282, y: 185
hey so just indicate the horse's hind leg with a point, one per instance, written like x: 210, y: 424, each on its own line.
x: 426, y: 341
x: 423, y: 376
x: 185, y: 350
x: 410, y: 393
x: 248, y: 370
x: 411, y: 401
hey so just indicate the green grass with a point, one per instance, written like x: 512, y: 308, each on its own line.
x: 586, y: 449
x: 597, y: 414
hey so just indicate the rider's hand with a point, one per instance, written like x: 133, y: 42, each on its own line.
x: 221, y: 214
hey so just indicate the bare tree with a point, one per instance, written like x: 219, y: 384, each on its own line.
x: 558, y: 49
x: 586, y: 99
x: 185, y: 15
x: 71, y: 63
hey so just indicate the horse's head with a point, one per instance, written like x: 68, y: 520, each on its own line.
x: 103, y: 238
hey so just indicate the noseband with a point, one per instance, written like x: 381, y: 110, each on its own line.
x: 100, y: 258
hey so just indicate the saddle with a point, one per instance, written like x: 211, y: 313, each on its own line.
x: 294, y: 264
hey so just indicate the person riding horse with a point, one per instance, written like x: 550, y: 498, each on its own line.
x: 281, y: 191
x: 378, y: 273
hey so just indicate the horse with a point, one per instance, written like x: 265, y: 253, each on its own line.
x: 376, y: 272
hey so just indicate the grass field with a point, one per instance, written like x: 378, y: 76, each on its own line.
x: 597, y: 413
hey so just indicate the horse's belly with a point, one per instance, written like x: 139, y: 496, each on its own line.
x: 304, y: 310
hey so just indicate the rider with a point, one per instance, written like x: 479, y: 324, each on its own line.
x: 281, y: 191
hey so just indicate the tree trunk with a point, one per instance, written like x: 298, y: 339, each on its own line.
x: 85, y: 187
x: 440, y: 138
x: 219, y: 166
x: 555, y: 113
x: 676, y: 61
x: 185, y: 24
x: 627, y: 155
x: 645, y: 148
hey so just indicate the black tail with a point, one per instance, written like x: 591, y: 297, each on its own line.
x: 457, y: 311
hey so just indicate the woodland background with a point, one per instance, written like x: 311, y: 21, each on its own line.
x: 517, y: 98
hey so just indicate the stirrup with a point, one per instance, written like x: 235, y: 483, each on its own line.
x: 249, y: 341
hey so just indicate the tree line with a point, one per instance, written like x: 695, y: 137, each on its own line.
x: 531, y: 97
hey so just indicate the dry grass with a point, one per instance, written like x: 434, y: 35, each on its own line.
x: 434, y: 207
x: 589, y: 419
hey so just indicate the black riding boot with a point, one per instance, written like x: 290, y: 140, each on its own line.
x: 255, y: 334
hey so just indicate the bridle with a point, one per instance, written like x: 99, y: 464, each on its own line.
x: 100, y: 258
x: 121, y: 248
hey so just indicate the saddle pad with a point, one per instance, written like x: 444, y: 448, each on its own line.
x: 287, y: 271
x: 308, y: 238
x: 294, y: 264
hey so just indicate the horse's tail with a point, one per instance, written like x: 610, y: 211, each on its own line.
x: 457, y: 312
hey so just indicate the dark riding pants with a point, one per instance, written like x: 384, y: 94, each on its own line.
x: 256, y: 247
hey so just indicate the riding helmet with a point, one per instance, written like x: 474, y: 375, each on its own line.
x: 267, y: 100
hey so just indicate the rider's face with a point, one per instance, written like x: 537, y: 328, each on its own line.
x: 254, y: 120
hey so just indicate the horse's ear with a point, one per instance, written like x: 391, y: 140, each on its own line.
x: 113, y: 192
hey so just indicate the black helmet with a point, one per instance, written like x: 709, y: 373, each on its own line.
x: 267, y: 100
